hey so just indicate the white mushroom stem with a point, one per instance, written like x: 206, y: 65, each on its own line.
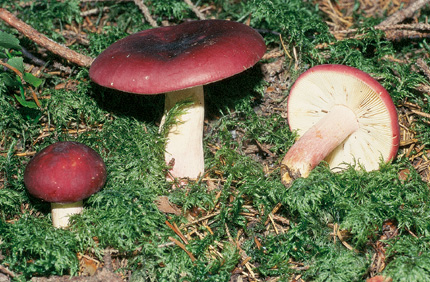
x: 316, y: 143
x: 61, y: 213
x: 184, y: 144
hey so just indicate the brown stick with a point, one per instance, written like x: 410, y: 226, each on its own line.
x: 7, y: 271
x: 399, y: 16
x: 392, y: 32
x: 424, y: 67
x: 44, y: 41
x: 146, y: 13
x: 195, y: 9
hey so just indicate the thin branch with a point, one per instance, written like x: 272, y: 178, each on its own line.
x: 399, y: 31
x: 93, y: 11
x: 33, y: 58
x: 44, y: 41
x: 195, y: 10
x: 392, y: 32
x: 401, y: 15
x: 146, y: 13
x: 414, y: 26
x: 7, y: 271
x: 424, y: 67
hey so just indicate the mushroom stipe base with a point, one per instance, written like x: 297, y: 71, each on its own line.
x: 61, y: 213
x: 319, y: 141
x: 184, y: 138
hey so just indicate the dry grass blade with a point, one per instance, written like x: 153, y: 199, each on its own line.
x: 201, y: 219
x: 177, y: 231
x: 182, y: 246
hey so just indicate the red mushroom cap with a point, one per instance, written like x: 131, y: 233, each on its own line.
x: 171, y: 58
x: 65, y: 172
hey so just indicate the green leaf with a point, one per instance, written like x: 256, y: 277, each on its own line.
x: 9, y: 80
x: 35, y: 81
x: 24, y: 103
x: 9, y: 41
x: 17, y: 62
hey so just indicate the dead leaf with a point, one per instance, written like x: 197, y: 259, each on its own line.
x: 164, y: 205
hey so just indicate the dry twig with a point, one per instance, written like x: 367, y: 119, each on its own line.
x: 424, y: 67
x: 44, y: 41
x: 7, y: 271
x: 195, y: 9
x: 401, y: 15
x: 146, y: 13
x: 392, y: 32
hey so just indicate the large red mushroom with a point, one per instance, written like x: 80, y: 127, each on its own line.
x: 343, y: 116
x: 64, y: 174
x: 178, y: 61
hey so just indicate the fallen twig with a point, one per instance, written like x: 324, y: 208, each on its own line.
x: 195, y: 9
x: 401, y: 15
x: 146, y: 13
x: 93, y: 11
x: 424, y: 67
x: 7, y: 271
x: 44, y: 41
x: 392, y: 32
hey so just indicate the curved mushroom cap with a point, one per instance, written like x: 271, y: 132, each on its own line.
x: 318, y: 89
x: 65, y: 172
x: 171, y: 58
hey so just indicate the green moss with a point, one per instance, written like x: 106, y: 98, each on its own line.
x: 123, y: 128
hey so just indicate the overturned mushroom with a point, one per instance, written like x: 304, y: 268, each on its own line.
x: 342, y: 115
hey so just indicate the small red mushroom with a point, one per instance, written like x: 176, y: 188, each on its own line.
x: 343, y: 116
x: 179, y: 60
x: 64, y: 174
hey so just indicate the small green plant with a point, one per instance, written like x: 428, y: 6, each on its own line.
x: 15, y: 77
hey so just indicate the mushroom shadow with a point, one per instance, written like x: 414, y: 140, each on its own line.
x: 144, y: 108
x: 219, y: 96
x: 228, y: 93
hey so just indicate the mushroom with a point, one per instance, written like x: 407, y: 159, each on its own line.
x: 64, y: 174
x: 343, y: 116
x: 179, y: 60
